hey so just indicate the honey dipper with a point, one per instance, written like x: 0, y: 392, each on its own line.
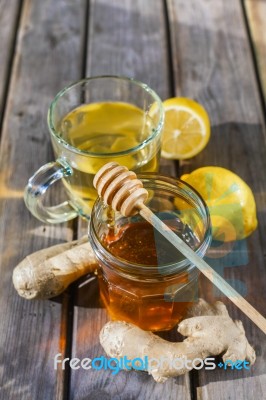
x: 120, y: 188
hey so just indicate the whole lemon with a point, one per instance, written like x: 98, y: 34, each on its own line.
x: 230, y: 201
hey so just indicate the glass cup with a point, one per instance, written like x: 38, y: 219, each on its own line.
x: 143, y: 278
x: 92, y: 122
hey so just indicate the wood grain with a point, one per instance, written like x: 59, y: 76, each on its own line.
x: 129, y: 39
x: 30, y: 333
x: 125, y: 38
x: 213, y: 64
x: 256, y: 13
x: 9, y: 10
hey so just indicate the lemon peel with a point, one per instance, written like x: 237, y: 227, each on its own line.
x: 230, y: 201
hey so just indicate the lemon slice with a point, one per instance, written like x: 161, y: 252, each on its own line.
x: 230, y: 201
x: 186, y: 130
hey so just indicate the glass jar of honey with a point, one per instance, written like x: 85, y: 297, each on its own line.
x: 143, y: 278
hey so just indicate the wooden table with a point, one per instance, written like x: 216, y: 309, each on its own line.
x: 210, y: 50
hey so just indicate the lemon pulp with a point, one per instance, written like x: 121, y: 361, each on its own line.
x: 186, y: 130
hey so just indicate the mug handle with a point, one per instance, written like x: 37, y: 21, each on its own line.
x: 36, y: 189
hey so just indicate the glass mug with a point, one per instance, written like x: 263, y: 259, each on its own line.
x: 144, y: 279
x: 92, y: 122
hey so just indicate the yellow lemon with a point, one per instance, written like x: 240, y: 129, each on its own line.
x: 230, y: 201
x: 186, y: 130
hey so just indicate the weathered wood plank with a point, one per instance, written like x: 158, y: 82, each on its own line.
x: 128, y: 39
x: 9, y: 13
x: 125, y: 38
x: 213, y: 64
x: 256, y: 14
x: 49, y: 54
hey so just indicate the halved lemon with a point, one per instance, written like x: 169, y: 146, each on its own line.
x: 186, y: 130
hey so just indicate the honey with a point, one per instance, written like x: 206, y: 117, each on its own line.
x: 143, y: 278
x: 149, y: 303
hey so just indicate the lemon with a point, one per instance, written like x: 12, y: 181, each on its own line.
x: 230, y: 201
x: 186, y: 130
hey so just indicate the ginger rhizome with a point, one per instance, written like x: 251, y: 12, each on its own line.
x: 48, y: 272
x: 210, y: 331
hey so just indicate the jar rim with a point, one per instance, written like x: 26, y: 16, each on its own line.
x: 167, y: 269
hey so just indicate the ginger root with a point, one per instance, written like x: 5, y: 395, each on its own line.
x: 209, y: 332
x: 48, y: 272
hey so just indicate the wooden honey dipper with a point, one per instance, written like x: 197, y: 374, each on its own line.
x: 120, y: 188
